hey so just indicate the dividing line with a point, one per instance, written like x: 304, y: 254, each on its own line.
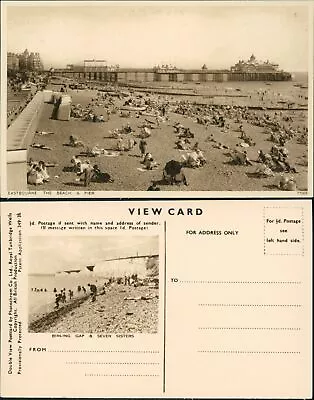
x: 165, y: 290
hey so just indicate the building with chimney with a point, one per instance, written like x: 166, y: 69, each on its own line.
x: 26, y: 61
x: 12, y: 62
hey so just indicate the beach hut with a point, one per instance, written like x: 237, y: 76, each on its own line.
x: 48, y: 96
x: 64, y: 109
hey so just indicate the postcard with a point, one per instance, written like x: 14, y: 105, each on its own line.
x: 176, y: 299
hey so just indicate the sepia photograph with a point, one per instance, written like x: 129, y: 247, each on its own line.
x: 95, y: 284
x: 158, y: 96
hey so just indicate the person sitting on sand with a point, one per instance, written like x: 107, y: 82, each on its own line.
x: 153, y: 187
x: 131, y: 143
x: 74, y: 142
x: 287, y: 183
x: 76, y: 162
x: 44, y: 133
x: 265, y: 158
x: 191, y: 160
x: 34, y: 176
x: 127, y: 129
x: 183, y: 144
x: 178, y: 127
x: 119, y: 144
x: 195, y: 147
x: 149, y: 162
x: 240, y: 157
x: 200, y: 157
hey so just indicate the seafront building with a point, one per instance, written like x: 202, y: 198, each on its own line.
x: 26, y: 61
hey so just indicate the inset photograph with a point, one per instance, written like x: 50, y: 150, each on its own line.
x: 93, y: 284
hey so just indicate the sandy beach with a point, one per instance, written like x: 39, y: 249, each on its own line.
x: 218, y: 174
x: 123, y: 309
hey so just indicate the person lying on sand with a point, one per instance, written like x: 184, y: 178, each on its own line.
x: 263, y: 171
x: 44, y: 133
x: 96, y: 151
x: 194, y: 159
x: 37, y: 173
x: 210, y: 138
x: 145, y: 133
x: 115, y: 134
x: 126, y: 129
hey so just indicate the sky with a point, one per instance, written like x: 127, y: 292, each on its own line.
x: 145, y: 34
x: 53, y: 254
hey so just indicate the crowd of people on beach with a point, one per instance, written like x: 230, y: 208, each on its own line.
x: 21, y: 88
x: 92, y: 290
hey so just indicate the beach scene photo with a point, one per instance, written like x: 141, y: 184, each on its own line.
x: 93, y: 284
x: 162, y: 96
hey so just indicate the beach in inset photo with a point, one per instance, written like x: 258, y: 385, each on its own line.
x: 158, y: 97
x: 93, y: 284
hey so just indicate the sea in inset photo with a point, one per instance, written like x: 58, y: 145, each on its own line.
x: 93, y: 284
